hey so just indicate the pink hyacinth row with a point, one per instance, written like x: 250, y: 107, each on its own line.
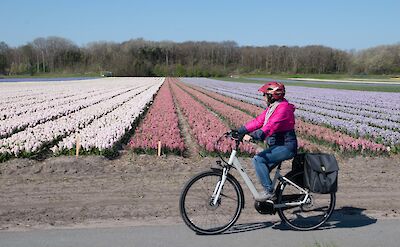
x: 343, y: 141
x: 160, y: 124
x: 233, y: 114
x: 251, y: 109
x: 368, y: 115
x: 205, y: 126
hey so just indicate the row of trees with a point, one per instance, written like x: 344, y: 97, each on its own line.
x: 146, y: 58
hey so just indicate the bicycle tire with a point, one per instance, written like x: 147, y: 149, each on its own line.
x: 195, y: 208
x: 306, y: 217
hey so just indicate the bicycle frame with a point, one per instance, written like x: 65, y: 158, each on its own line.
x: 234, y: 162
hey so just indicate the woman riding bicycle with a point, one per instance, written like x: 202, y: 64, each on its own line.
x: 276, y: 126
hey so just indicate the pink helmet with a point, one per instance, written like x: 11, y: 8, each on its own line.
x: 276, y: 89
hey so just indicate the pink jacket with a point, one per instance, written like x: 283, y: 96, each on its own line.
x: 281, y: 120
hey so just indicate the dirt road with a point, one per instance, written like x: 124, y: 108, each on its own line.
x: 144, y: 189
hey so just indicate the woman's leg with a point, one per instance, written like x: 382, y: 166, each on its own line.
x: 262, y: 172
x: 266, y: 160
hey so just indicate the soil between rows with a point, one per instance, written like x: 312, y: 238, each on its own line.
x: 137, y: 189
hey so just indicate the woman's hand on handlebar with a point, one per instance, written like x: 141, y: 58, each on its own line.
x: 234, y: 134
x: 247, y: 138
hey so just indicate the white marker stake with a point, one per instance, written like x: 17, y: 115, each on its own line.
x: 78, y: 145
x: 159, y: 148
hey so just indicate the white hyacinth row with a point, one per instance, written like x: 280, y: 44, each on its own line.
x: 103, y: 133
x: 32, y: 139
x: 30, y: 93
x: 23, y: 93
x: 26, y: 101
x: 31, y: 119
x: 44, y: 104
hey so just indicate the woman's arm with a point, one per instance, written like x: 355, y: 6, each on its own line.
x: 253, y: 125
x: 281, y: 120
x: 256, y: 123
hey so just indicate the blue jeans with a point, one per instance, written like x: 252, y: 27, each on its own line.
x: 267, y: 160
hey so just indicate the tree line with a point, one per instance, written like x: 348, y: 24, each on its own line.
x: 140, y: 57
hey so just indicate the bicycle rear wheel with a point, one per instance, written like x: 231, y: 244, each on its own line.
x: 196, y: 206
x: 311, y: 215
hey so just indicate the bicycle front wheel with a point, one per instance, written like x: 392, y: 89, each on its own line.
x: 311, y: 215
x: 197, y: 209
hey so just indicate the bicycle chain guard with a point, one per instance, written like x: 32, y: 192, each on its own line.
x: 265, y: 207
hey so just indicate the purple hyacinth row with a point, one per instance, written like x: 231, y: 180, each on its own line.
x: 230, y: 110
x: 335, y: 108
x: 334, y: 138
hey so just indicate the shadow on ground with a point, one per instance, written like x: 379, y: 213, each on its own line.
x: 345, y: 217
x: 247, y: 227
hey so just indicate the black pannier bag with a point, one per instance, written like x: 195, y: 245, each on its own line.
x: 298, y: 166
x: 321, y: 173
x: 298, y: 162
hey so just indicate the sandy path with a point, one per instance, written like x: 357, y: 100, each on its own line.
x: 142, y: 189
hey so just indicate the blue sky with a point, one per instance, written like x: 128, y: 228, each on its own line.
x: 342, y: 24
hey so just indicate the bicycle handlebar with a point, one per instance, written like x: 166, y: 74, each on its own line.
x: 234, y: 135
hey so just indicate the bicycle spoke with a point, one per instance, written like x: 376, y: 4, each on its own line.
x: 229, y: 197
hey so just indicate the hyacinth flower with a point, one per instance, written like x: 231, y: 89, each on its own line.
x: 367, y: 114
x: 113, y: 94
x: 226, y: 111
x: 345, y: 142
x: 234, y: 116
x: 160, y: 124
x: 38, y: 115
x: 105, y: 132
x: 206, y: 127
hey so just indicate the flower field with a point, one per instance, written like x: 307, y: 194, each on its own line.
x: 42, y: 116
x: 227, y: 107
x: 347, y: 120
x: 100, y: 114
x: 315, y: 132
x: 205, y: 126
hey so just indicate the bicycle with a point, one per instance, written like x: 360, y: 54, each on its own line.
x: 211, y: 201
